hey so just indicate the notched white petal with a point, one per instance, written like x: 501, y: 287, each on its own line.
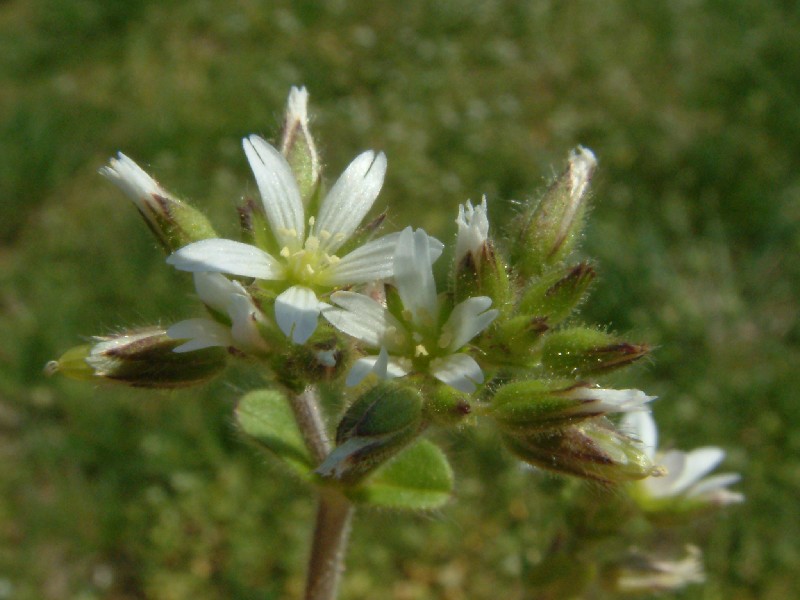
x: 226, y: 256
x: 414, y: 276
x: 279, y: 192
x: 468, y: 319
x: 296, y: 313
x: 459, y: 371
x: 369, y: 262
x: 132, y: 180
x: 215, y: 290
x: 349, y: 200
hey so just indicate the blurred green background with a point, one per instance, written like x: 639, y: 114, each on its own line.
x: 693, y: 109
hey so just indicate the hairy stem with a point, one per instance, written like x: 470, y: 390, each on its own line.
x: 334, y: 510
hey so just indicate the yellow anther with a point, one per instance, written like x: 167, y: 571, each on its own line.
x: 420, y: 350
x: 340, y: 237
x: 309, y: 269
x: 311, y: 221
x: 285, y: 252
x: 325, y: 234
x: 332, y: 259
x: 312, y: 243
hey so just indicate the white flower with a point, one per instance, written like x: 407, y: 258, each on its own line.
x: 473, y: 230
x: 143, y: 190
x: 415, y: 340
x: 305, y: 263
x: 686, y: 471
x: 229, y: 298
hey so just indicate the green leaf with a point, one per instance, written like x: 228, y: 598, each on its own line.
x: 420, y: 478
x: 265, y: 415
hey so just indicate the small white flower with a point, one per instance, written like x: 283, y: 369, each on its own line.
x: 686, y: 471
x: 473, y: 230
x: 306, y: 264
x: 143, y: 190
x: 416, y: 341
x: 228, y: 298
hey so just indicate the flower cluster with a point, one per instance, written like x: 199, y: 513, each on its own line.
x: 499, y: 340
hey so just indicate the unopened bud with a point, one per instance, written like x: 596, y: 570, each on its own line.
x: 556, y: 294
x: 140, y: 358
x: 524, y: 407
x: 174, y: 222
x: 298, y: 146
x: 376, y: 426
x: 549, y: 231
x: 512, y: 341
x: 582, y: 351
x: 446, y: 406
x: 592, y: 450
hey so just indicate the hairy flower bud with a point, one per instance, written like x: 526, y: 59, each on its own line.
x: 174, y: 222
x: 592, y: 450
x: 583, y: 351
x: 556, y: 294
x: 140, y: 358
x: 548, y: 231
x: 533, y: 406
x: 375, y: 427
x: 297, y: 145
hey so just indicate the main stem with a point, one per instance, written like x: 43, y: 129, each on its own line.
x: 334, y: 510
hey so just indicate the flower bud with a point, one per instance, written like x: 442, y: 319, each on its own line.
x: 373, y: 429
x: 174, y: 222
x: 592, y: 450
x: 512, y: 341
x: 556, y: 294
x: 298, y: 146
x: 548, y: 232
x: 533, y: 406
x: 478, y: 269
x: 446, y: 406
x: 140, y: 358
x: 582, y: 351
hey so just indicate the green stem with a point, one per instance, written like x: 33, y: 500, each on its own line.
x: 334, y: 510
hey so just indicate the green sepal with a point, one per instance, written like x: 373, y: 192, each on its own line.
x: 591, y: 450
x: 419, y: 478
x: 556, y: 294
x: 580, y: 351
x: 379, y: 424
x: 445, y: 406
x: 533, y: 406
x: 482, y: 275
x: 265, y: 416
x: 512, y: 342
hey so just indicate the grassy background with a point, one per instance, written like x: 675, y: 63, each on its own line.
x: 693, y: 109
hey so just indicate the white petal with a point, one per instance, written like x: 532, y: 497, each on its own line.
x: 279, y: 191
x: 245, y: 317
x: 382, y: 365
x: 674, y: 462
x: 200, y: 333
x: 132, y: 180
x: 642, y: 426
x: 216, y: 290
x: 361, y: 317
x: 374, y: 260
x: 226, y: 256
x: 349, y: 200
x: 611, y: 401
x: 699, y: 463
x: 714, y: 484
x: 414, y: 276
x: 467, y: 320
x: 296, y: 312
x: 473, y: 228
x: 459, y: 371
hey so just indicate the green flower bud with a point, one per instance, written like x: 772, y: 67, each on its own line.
x: 298, y: 146
x: 512, y: 341
x: 174, y: 222
x: 581, y: 351
x: 592, y: 450
x: 533, y: 406
x: 556, y: 294
x: 446, y: 406
x: 548, y: 231
x: 140, y: 358
x: 478, y: 269
x: 373, y: 429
